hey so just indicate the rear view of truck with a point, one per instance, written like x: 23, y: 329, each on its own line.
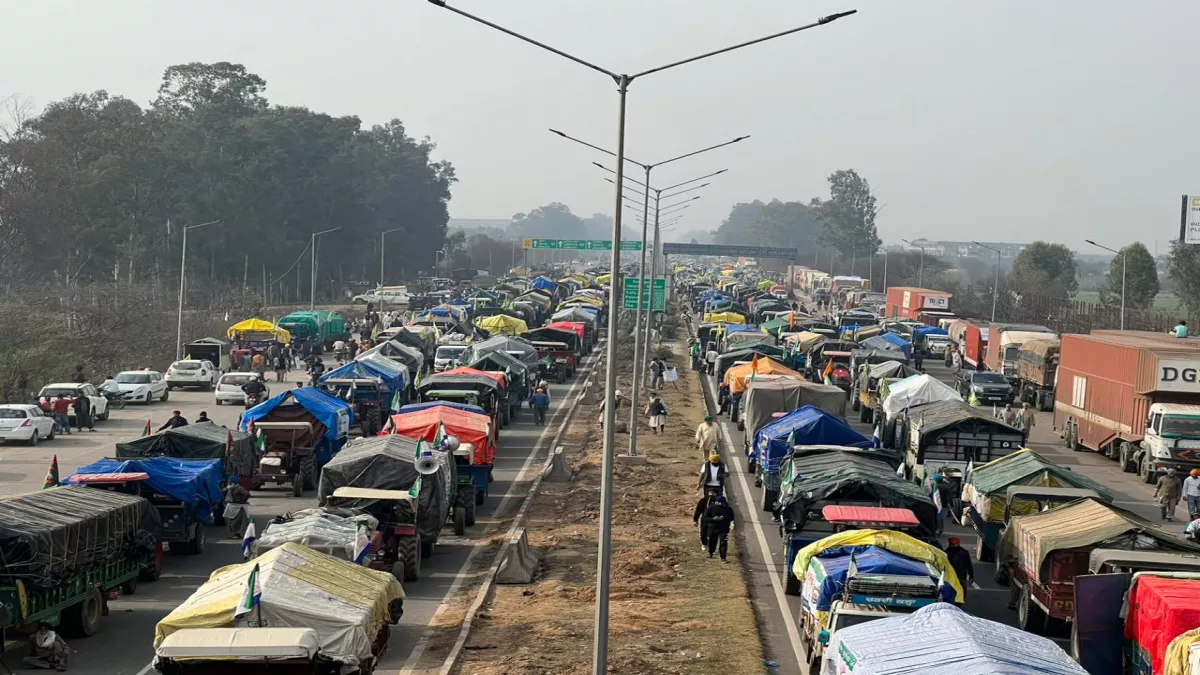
x: 1133, y: 396
x: 1037, y: 372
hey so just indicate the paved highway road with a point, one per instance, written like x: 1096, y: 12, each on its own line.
x: 124, y: 644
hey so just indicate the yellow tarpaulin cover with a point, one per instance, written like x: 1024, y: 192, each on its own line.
x: 502, y: 324
x: 737, y: 376
x: 584, y: 298
x: 803, y: 341
x: 345, y: 603
x: 896, y: 542
x: 259, y: 326
x: 1175, y: 662
x: 603, y: 279
x: 724, y: 317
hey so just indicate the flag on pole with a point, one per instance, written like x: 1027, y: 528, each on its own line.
x: 900, y: 470
x: 395, y: 401
x: 260, y: 442
x: 248, y: 541
x: 415, y: 490
x: 876, y: 437
x: 852, y: 569
x: 937, y: 498
x: 362, y: 545
x: 146, y: 430
x: 251, y: 595
x: 941, y: 583
x: 227, y: 459
x: 52, y: 479
x: 969, y: 470
x: 792, y: 322
x: 374, y: 331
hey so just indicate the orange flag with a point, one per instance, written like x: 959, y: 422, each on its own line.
x: 792, y: 322
x: 754, y: 364
x: 51, y: 474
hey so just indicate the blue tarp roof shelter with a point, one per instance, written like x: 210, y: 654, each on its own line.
x: 546, y: 284
x: 923, y: 331
x: 333, y: 412
x: 392, y: 375
x: 740, y: 328
x: 811, y: 426
x: 413, y: 407
x: 195, y: 482
x: 941, y: 639
x: 885, y: 343
x: 899, y: 342
x: 868, y: 560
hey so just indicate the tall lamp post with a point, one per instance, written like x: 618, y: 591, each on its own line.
x: 622, y: 80
x: 182, y: 266
x: 312, y: 280
x: 996, y: 283
x: 1123, y: 260
x: 921, y: 272
x: 382, y: 236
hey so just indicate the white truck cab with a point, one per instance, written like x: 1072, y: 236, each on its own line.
x: 1171, y: 440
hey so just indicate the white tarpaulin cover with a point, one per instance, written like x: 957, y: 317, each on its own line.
x: 332, y: 531
x: 941, y: 639
x: 346, y: 604
x: 915, y: 390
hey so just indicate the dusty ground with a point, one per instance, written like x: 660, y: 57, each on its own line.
x: 673, y: 611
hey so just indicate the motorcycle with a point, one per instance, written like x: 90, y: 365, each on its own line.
x: 115, y: 401
x: 253, y: 400
x: 341, y: 355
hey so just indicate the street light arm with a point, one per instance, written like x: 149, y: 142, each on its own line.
x: 502, y: 29
x: 192, y: 227
x: 626, y: 187
x: 623, y: 178
x: 993, y: 250
x: 595, y: 147
x: 712, y: 147
x: 702, y: 185
x: 678, y: 206
x: 820, y: 22
x: 686, y: 182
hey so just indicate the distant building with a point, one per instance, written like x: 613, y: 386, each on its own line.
x: 964, y: 249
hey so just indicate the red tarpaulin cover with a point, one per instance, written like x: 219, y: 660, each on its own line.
x: 463, y: 370
x: 835, y: 513
x: 569, y: 326
x: 1160, y: 610
x: 466, y: 426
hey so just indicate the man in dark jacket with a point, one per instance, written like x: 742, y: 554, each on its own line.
x: 177, y: 420
x: 720, y: 522
x: 83, y: 412
x: 960, y: 560
x: 713, y: 474
x: 540, y: 402
x: 700, y: 516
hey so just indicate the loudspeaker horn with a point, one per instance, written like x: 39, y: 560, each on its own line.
x: 427, y: 464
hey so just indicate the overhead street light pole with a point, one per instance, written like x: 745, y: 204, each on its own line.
x: 1122, y: 254
x: 312, y: 282
x: 996, y: 283
x: 182, y: 268
x: 603, y: 568
x: 921, y: 272
x: 382, y: 236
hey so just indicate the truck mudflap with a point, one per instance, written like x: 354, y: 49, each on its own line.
x: 1098, y: 632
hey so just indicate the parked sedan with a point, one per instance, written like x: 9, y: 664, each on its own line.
x: 192, y: 373
x: 229, y: 388
x: 25, y: 423
x: 142, y: 386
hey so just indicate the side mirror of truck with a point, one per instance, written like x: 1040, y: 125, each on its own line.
x: 823, y: 637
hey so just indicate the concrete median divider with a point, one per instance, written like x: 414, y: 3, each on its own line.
x: 520, y: 562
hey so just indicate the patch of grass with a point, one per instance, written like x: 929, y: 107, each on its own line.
x: 1163, y: 302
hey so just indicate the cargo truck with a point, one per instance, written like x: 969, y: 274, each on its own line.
x: 1037, y: 372
x: 1133, y: 396
x: 909, y: 302
x: 969, y: 340
x: 1004, y: 346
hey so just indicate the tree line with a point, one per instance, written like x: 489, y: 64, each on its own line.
x: 97, y: 188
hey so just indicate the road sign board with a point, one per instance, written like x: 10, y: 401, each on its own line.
x: 578, y: 244
x: 660, y: 294
x: 730, y: 251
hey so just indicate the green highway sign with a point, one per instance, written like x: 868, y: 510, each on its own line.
x: 578, y: 244
x: 660, y: 294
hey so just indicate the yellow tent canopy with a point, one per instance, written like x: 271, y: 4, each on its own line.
x: 896, y: 542
x: 724, y: 317
x: 804, y: 340
x: 502, y: 324
x: 258, y: 326
x: 737, y: 376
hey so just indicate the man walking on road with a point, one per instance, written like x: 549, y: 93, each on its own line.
x: 1026, y: 420
x: 720, y: 522
x: 1167, y: 491
x: 1191, y: 492
x: 710, y: 358
x: 706, y: 436
x: 61, y: 408
x: 960, y: 561
x: 1009, y: 416
x: 540, y: 402
x: 713, y: 473
x: 656, y: 373
x: 700, y: 516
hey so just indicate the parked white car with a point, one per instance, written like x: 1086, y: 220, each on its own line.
x: 71, y: 390
x: 229, y: 388
x: 25, y: 423
x: 142, y: 386
x: 192, y: 373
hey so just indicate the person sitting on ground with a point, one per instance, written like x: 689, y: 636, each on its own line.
x: 177, y: 420
x: 202, y: 418
x: 47, y: 650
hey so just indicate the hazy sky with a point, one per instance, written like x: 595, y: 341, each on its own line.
x: 1015, y: 120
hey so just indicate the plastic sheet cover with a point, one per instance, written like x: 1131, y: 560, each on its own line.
x: 395, y: 350
x: 827, y: 572
x: 332, y: 412
x: 941, y: 639
x: 764, y: 398
x: 896, y: 542
x: 914, y: 391
x: 49, y: 535
x: 987, y: 490
x: 346, y: 604
x: 328, y: 530
x: 386, y: 463
x: 807, y: 426
x: 195, y: 482
x: 205, y: 440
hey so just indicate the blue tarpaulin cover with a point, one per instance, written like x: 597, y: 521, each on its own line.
x: 195, y: 482
x: 333, y: 412
x: 889, y: 343
x: 740, y: 328
x: 922, y: 331
x: 868, y: 560
x: 941, y: 639
x: 812, y: 426
x: 394, y: 375
x: 413, y: 407
x: 546, y: 285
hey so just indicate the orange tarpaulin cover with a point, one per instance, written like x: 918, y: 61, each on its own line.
x: 737, y: 376
x: 466, y: 426
x: 463, y: 370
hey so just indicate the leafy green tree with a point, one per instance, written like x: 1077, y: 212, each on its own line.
x: 848, y: 216
x: 554, y: 220
x: 1184, y: 268
x: 776, y: 224
x: 1045, y: 268
x: 1141, y: 278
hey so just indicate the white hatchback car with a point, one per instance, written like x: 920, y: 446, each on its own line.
x: 142, y: 386
x: 192, y: 373
x: 229, y: 388
x: 26, y: 423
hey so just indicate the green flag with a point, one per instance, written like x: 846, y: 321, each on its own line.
x: 415, y: 490
x: 251, y: 595
x: 396, y: 400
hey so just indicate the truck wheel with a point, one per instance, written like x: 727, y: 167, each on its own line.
x: 855, y: 404
x: 983, y: 552
x: 460, y: 520
x: 409, y: 552
x: 297, y: 485
x: 768, y: 500
x: 479, y: 497
x: 1148, y: 476
x: 195, y: 545
x: 562, y: 376
x: 427, y: 546
x: 308, y: 472
x: 470, y: 509
x: 1030, y: 617
x: 398, y: 571
x: 863, y: 411
x: 83, y: 619
x: 889, y: 434
x: 791, y: 585
x: 1127, y: 465
x: 1001, y: 576
x: 129, y: 587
